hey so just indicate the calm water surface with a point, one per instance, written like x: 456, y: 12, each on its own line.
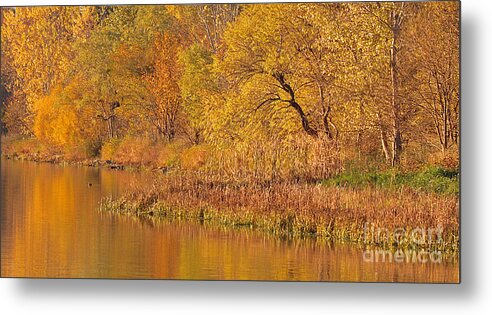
x: 51, y: 227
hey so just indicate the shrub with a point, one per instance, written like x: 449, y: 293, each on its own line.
x: 169, y: 154
x: 109, y: 149
x: 448, y: 160
x: 195, y: 157
x: 134, y: 151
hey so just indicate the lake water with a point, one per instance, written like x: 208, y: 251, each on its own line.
x: 51, y: 226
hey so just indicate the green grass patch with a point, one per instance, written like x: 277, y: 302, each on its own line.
x: 430, y: 179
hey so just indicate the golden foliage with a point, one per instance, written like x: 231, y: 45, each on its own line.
x: 232, y: 76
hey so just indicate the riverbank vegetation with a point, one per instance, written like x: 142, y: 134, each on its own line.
x: 323, y: 101
x: 432, y: 179
x: 366, y: 215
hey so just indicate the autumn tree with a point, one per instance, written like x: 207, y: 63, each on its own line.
x: 63, y: 122
x: 123, y: 64
x: 38, y: 43
x: 385, y: 22
x: 203, y: 26
x: 288, y: 63
x: 199, y: 88
x: 259, y: 61
x: 205, y: 23
x: 436, y: 39
x: 13, y: 110
x: 373, y: 79
x: 163, y: 84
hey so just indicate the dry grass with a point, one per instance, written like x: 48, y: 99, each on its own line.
x: 295, y: 159
x: 195, y: 157
x: 29, y: 149
x: 130, y: 151
x: 339, y: 214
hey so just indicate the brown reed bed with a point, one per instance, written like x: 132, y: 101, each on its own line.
x: 368, y: 216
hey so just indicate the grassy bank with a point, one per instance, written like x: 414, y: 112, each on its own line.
x: 331, y: 213
x: 31, y: 149
x: 297, y: 159
x: 432, y: 179
x: 133, y: 153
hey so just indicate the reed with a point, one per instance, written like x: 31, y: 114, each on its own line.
x: 340, y: 214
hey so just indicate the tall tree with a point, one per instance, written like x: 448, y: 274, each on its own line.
x: 262, y: 56
x: 436, y: 39
x: 38, y: 44
x: 388, y: 20
x: 162, y: 82
x: 198, y: 86
x: 206, y: 23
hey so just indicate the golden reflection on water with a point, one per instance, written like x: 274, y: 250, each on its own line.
x: 51, y: 227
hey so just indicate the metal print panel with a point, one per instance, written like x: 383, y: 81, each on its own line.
x: 278, y: 142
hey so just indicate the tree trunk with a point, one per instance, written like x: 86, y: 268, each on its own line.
x: 326, y: 110
x: 396, y: 20
x: 305, y: 122
x: 109, y: 116
x: 293, y: 103
x: 384, y: 139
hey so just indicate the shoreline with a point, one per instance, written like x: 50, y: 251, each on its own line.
x: 287, y: 223
x: 60, y: 160
x: 281, y: 229
x: 335, y: 214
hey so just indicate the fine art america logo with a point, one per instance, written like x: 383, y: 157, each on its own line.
x: 424, y: 237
